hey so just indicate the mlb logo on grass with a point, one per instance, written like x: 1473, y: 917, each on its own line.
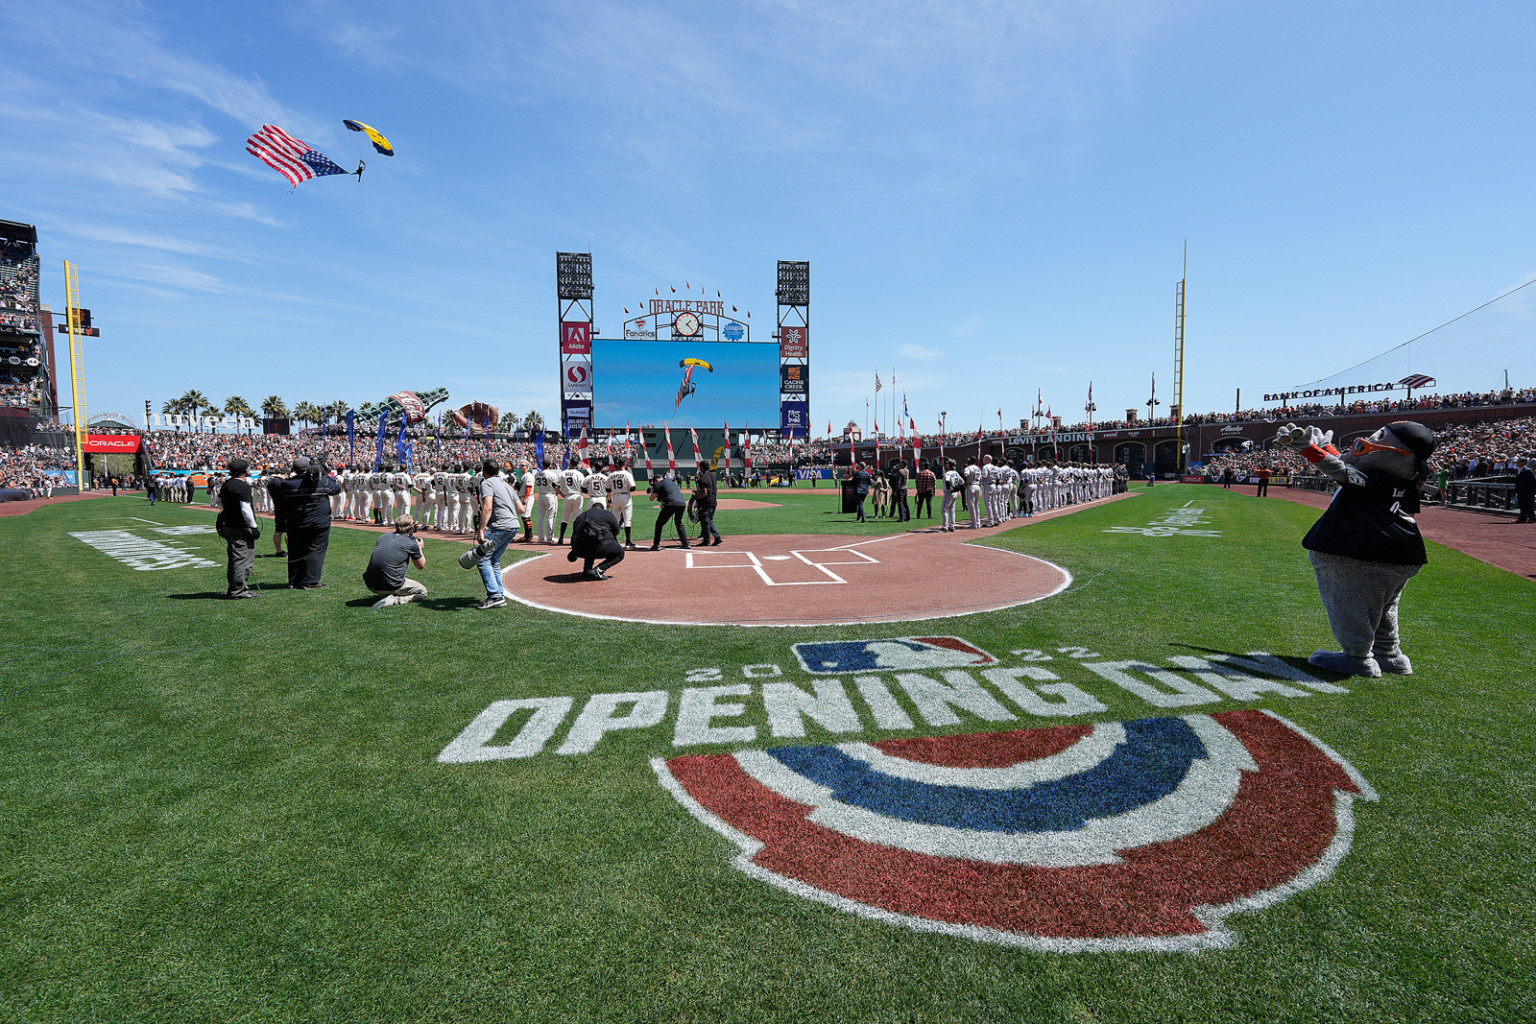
x: 903, y: 653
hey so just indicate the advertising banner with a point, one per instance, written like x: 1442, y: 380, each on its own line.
x: 794, y: 418
x: 578, y: 414
x: 577, y: 376
x: 575, y: 338
x: 794, y: 343
x: 794, y: 379
x: 118, y: 443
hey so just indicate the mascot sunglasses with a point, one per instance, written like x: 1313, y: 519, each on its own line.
x: 1364, y: 447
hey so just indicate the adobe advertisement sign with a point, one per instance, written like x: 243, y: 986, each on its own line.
x: 112, y: 443
x: 575, y: 338
x: 794, y: 342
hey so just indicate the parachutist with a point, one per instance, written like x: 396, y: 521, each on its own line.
x: 359, y: 172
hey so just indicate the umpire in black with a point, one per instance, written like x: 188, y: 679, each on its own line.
x: 304, y: 499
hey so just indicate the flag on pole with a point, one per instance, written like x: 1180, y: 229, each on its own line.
x: 626, y: 439
x: 671, y: 459
x: 293, y: 159
x: 581, y: 446
x: 378, y: 448
x: 746, y: 451
x: 400, y: 441
x: 698, y: 460
x: 487, y: 425
x: 877, y: 383
x: 437, y: 437
x: 727, y: 446
x: 646, y: 449
x: 538, y: 450
x: 1089, y: 407
x: 351, y: 436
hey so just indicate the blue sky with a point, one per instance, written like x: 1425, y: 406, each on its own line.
x: 994, y: 198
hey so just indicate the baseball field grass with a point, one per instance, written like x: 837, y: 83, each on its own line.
x: 242, y: 811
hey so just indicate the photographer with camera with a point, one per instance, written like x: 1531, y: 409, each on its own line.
x: 305, y: 501
x: 500, y: 508
x: 238, y: 526
x: 386, y: 566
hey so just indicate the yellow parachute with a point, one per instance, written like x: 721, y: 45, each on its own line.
x: 688, y: 387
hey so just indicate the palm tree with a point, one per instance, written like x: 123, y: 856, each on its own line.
x: 274, y: 408
x: 533, y: 421
x: 307, y: 412
x: 234, y: 405
x: 192, y: 403
x: 337, y: 410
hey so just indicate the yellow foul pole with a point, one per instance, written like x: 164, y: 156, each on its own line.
x: 76, y: 367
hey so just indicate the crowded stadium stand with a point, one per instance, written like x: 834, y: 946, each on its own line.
x: 27, y: 394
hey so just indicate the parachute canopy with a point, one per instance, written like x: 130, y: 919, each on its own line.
x: 380, y: 143
x: 695, y: 362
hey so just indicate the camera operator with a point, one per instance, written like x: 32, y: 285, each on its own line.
x: 305, y: 498
x: 386, y: 566
x: 238, y: 526
x: 665, y: 491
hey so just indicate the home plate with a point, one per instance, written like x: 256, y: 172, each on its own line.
x: 791, y: 580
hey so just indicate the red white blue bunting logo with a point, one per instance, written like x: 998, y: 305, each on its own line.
x: 1119, y: 835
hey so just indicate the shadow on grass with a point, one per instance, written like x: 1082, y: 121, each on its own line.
x: 1300, y: 664
x: 207, y: 595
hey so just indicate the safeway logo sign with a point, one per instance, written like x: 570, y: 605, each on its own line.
x: 578, y: 375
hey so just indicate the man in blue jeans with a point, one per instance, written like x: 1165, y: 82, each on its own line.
x: 500, y: 508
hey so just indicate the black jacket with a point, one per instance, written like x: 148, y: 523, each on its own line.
x: 305, y: 503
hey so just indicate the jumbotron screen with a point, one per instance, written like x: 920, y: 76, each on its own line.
x: 637, y: 382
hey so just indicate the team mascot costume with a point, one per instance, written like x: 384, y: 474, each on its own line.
x: 1367, y: 546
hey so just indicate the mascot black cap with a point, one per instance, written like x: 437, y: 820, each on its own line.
x: 1416, y: 437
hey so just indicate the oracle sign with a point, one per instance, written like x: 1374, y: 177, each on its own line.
x: 121, y: 443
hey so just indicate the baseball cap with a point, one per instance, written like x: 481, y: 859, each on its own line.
x: 301, y: 463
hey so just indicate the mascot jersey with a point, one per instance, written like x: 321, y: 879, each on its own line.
x: 1370, y: 518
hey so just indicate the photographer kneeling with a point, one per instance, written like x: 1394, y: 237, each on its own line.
x: 386, y: 566
x: 594, y: 535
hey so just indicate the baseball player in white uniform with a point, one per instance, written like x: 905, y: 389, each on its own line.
x: 621, y: 491
x: 546, y: 487
x: 972, y: 476
x: 400, y: 491
x: 571, y: 481
x: 439, y: 498
x: 524, y: 492
x: 953, y: 484
x: 421, y: 493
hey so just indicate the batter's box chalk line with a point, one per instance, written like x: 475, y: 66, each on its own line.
x: 708, y: 560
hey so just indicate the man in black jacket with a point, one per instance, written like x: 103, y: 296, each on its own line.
x: 305, y: 499
x: 673, y: 504
x: 1525, y: 491
x: 238, y: 526
x: 861, y: 482
x: 594, y: 535
x: 705, y: 500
